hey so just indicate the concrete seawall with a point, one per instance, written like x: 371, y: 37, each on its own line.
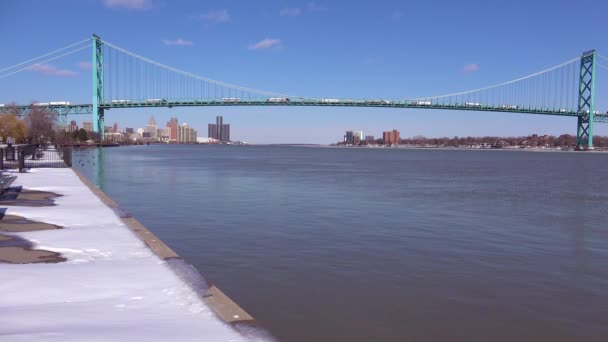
x: 222, y: 305
x: 76, y: 267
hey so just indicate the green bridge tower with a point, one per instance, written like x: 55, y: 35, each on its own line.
x: 586, y: 102
x: 98, y: 119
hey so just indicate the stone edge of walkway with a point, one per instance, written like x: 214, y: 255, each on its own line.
x: 221, y: 304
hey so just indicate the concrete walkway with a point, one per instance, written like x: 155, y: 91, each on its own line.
x: 80, y: 269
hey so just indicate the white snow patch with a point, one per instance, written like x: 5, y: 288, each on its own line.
x: 112, y: 288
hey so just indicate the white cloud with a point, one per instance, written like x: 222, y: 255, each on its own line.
x: 265, y: 44
x: 471, y: 67
x: 84, y: 65
x: 314, y: 7
x: 48, y: 69
x: 131, y: 4
x: 177, y: 42
x: 218, y: 16
x: 290, y: 12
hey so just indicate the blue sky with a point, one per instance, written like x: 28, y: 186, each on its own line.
x: 323, y: 49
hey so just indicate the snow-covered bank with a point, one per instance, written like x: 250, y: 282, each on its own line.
x: 112, y: 287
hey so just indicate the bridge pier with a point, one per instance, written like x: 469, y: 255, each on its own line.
x: 586, y: 102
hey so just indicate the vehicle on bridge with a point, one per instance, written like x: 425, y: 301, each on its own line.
x: 421, y: 103
x: 231, y: 99
x: 41, y: 104
x: 378, y: 102
x: 330, y: 100
x: 512, y: 107
x: 60, y: 103
x: 278, y: 99
x: 120, y: 101
x: 156, y: 101
x: 472, y: 104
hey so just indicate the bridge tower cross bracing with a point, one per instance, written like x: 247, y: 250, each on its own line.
x: 586, y: 102
x: 98, y: 98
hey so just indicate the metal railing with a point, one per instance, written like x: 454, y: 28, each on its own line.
x: 35, y: 156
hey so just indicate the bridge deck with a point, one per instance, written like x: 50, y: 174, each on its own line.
x: 88, y: 108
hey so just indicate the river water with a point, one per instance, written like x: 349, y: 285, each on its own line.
x: 347, y: 244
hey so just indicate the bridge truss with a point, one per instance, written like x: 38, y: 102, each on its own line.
x: 123, y: 79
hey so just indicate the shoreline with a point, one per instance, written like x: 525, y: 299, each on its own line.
x: 224, y: 307
x: 77, y: 265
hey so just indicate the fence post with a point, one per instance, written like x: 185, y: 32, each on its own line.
x: 67, y: 156
x: 21, y: 157
x: 1, y: 159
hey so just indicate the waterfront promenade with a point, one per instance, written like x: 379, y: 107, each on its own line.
x: 77, y: 268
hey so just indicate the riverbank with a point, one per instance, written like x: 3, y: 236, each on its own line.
x: 110, y: 278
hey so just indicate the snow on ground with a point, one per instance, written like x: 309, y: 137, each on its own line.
x: 112, y: 288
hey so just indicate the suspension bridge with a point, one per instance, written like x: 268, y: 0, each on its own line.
x: 123, y: 79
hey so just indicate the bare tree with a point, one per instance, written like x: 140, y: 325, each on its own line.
x: 41, y: 124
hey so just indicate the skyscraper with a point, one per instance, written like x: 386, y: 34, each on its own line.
x: 349, y: 137
x: 151, y: 128
x: 186, y: 134
x: 73, y: 126
x: 172, y: 125
x: 212, y: 130
x: 87, y: 126
x: 357, y: 137
x: 219, y: 130
x: 225, y: 133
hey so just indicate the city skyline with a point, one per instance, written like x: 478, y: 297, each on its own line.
x: 295, y: 51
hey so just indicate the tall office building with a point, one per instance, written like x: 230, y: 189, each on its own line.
x: 151, y: 128
x: 225, y: 133
x: 73, y: 127
x: 219, y: 130
x: 87, y: 126
x: 172, y: 125
x: 357, y: 137
x: 212, y: 131
x: 349, y: 137
x: 186, y: 134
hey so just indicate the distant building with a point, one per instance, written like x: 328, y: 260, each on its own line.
x: 129, y: 130
x: 219, y: 130
x: 172, y: 125
x: 73, y: 127
x: 349, y: 137
x: 212, y: 131
x: 166, y: 135
x: 115, y: 128
x: 87, y: 126
x: 391, y: 137
x: 186, y: 134
x: 357, y: 137
x: 225, y: 133
x: 202, y: 140
x: 353, y: 137
x: 151, y: 128
x: 369, y: 139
